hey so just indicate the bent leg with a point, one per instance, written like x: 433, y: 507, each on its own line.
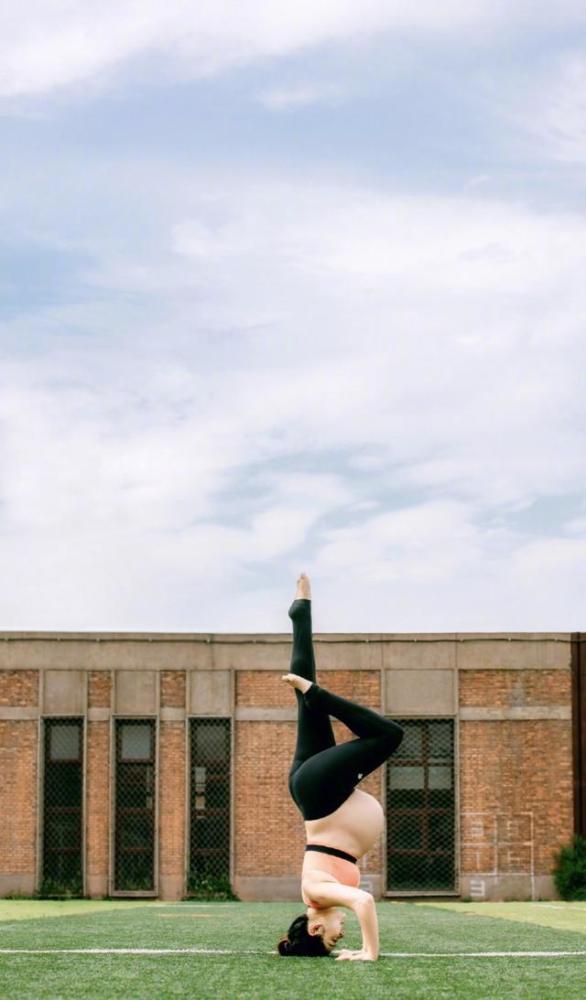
x: 364, y: 722
x: 328, y: 778
x: 314, y: 729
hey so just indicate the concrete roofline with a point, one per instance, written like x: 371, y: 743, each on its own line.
x: 279, y: 637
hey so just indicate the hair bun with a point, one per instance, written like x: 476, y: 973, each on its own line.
x: 284, y: 946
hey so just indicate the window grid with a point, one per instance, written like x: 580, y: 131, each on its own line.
x: 62, y: 838
x: 135, y: 792
x: 421, y: 840
x: 209, y: 808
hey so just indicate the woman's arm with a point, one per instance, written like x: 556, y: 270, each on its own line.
x: 365, y: 910
x: 335, y: 894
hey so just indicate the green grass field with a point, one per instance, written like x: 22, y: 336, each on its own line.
x: 81, y: 949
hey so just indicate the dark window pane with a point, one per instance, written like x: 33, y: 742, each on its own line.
x: 411, y: 745
x: 440, y: 829
x: 65, y: 741
x: 135, y: 741
x: 62, y: 829
x: 406, y: 777
x: 135, y: 806
x: 421, y: 839
x: 440, y: 738
x: 406, y: 831
x: 212, y: 741
x: 209, y: 863
x: 406, y: 799
x: 439, y: 777
x: 62, y: 808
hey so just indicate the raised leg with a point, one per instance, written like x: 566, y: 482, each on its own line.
x: 314, y: 729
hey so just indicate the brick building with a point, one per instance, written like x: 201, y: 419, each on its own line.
x: 146, y: 764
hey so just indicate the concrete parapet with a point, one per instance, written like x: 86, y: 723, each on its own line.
x: 420, y: 692
x: 209, y: 692
x: 64, y: 692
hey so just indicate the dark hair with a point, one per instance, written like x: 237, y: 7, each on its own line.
x: 299, y: 942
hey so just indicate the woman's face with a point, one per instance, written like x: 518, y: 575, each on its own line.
x: 328, y: 923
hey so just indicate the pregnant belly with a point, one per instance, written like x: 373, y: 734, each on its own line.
x: 354, y: 827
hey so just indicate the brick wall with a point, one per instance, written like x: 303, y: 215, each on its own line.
x: 98, y: 784
x: 269, y: 829
x: 99, y: 689
x: 172, y: 778
x: 98, y: 771
x: 19, y: 688
x: 18, y: 802
x: 172, y: 786
x: 173, y: 688
x: 515, y: 776
x: 500, y: 688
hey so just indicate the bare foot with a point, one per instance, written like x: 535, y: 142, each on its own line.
x: 301, y: 683
x: 303, y: 588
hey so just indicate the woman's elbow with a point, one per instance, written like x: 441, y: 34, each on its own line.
x: 365, y: 901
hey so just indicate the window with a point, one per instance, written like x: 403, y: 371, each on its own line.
x: 209, y: 841
x: 421, y: 808
x: 62, y: 807
x: 135, y: 806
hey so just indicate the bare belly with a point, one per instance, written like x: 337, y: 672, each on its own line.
x: 354, y: 827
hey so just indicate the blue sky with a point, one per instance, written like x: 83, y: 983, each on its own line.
x: 293, y: 289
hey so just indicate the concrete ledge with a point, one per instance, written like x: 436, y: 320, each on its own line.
x: 503, y: 887
x: 64, y: 692
x: 425, y: 692
x: 514, y: 653
x: 247, y: 714
x: 519, y: 713
x: 209, y: 692
x: 267, y: 889
x: 171, y: 887
x: 98, y: 714
x: 140, y: 651
x: 420, y: 655
x: 135, y: 692
x: 96, y: 886
x: 171, y: 714
x: 19, y: 883
x: 18, y: 714
x: 545, y: 887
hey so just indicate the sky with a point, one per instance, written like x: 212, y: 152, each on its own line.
x: 293, y: 287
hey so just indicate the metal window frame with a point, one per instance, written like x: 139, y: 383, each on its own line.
x: 133, y: 893
x: 41, y: 767
x: 415, y: 893
x: 231, y: 787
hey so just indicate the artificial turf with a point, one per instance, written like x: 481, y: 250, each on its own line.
x: 251, y: 968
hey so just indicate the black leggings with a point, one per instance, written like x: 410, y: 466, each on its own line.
x: 324, y: 774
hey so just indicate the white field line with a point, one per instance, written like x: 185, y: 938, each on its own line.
x: 558, y: 906
x: 243, y: 951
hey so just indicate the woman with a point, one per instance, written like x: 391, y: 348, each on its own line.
x: 342, y: 822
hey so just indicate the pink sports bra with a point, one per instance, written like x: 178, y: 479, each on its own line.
x: 345, y: 872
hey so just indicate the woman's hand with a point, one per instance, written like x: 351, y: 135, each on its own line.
x: 355, y: 956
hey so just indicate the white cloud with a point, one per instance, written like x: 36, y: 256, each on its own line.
x: 301, y: 95
x: 425, y: 542
x: 47, y: 44
x: 553, y: 112
x: 358, y: 381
